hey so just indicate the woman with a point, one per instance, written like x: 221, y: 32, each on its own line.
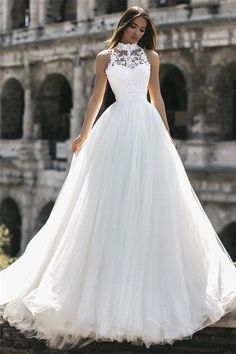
x: 128, y: 252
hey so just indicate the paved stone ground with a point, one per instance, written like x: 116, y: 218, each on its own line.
x: 210, y: 340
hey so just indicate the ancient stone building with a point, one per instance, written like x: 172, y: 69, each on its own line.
x: 47, y: 71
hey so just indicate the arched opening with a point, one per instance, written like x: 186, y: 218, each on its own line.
x: 110, y: 6
x: 173, y: 89
x: 228, y: 238
x: 43, y: 215
x: 53, y: 109
x: 12, y: 110
x: 10, y: 216
x: 222, y: 110
x: 20, y: 14
x: 61, y: 10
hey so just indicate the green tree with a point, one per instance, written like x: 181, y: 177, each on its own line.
x: 5, y: 240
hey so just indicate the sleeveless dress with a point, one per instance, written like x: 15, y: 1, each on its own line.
x: 128, y: 252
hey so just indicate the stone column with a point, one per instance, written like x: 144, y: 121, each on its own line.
x: 84, y: 10
x: 28, y: 119
x: 2, y: 15
x: 197, y: 95
x: 27, y: 219
x: 34, y: 13
x: 80, y: 104
x: 6, y: 6
x: 215, y: 112
x: 219, y: 96
x: 92, y: 4
x: 42, y: 13
x: 196, y: 111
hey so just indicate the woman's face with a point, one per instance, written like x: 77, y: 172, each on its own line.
x: 135, y: 30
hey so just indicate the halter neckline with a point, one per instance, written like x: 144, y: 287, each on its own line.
x: 125, y: 46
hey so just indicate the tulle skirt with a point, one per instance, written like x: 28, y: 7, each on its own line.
x: 128, y: 252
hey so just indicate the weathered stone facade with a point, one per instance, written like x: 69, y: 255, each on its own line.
x: 47, y: 71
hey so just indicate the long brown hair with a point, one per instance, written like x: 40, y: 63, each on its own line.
x: 148, y: 40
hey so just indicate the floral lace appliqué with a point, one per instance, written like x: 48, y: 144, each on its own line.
x: 127, y: 54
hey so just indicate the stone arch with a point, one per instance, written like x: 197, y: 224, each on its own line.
x: 222, y: 100
x: 220, y: 214
x: 12, y: 110
x: 53, y: 108
x: 43, y: 215
x: 110, y: 6
x: 11, y: 217
x: 228, y: 238
x: 174, y: 93
x: 61, y: 10
x: 20, y: 14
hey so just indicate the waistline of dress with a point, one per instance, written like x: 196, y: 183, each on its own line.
x: 131, y: 99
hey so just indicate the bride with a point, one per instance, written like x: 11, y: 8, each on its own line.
x: 127, y: 253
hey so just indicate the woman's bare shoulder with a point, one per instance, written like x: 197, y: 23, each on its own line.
x: 103, y: 56
x: 152, y: 54
x: 153, y: 58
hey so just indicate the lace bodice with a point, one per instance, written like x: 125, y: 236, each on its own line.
x: 128, y: 72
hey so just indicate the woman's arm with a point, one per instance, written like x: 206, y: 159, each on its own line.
x: 95, y: 100
x: 154, y: 87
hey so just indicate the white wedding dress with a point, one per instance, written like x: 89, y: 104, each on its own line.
x: 128, y: 252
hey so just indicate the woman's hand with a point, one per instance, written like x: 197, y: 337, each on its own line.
x: 78, y: 143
